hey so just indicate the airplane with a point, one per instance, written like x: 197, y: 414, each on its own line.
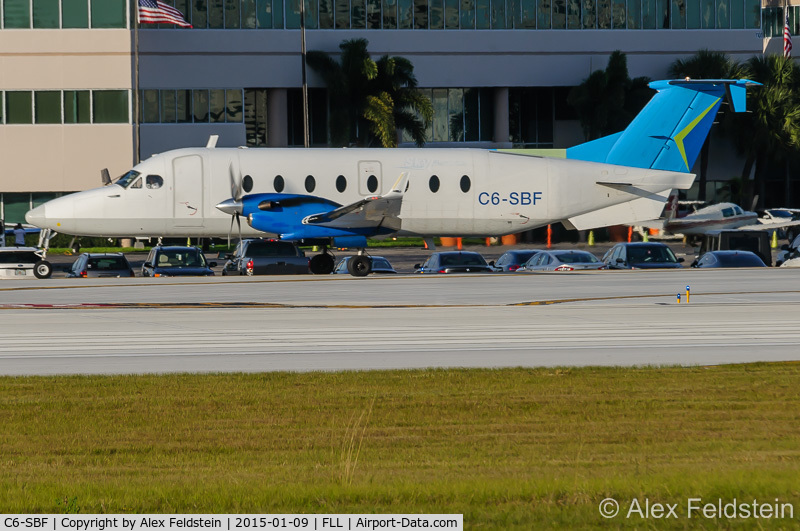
x: 339, y: 197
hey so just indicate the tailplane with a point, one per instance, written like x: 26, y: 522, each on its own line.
x: 669, y: 132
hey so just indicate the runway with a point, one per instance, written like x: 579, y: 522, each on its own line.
x: 119, y: 326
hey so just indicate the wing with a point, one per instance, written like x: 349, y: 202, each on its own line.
x: 376, y: 211
x: 769, y: 226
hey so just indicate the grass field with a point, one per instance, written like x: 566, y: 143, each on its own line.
x: 510, y: 448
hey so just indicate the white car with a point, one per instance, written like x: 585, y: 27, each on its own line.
x: 22, y: 262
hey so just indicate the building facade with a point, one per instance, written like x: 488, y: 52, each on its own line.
x: 497, y: 72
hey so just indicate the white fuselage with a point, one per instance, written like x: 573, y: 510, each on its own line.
x: 480, y: 192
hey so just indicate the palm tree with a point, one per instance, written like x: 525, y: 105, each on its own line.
x: 706, y: 64
x: 608, y: 100
x: 371, y: 100
x: 771, y: 132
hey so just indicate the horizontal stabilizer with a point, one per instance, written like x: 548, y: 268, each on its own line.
x: 629, y: 213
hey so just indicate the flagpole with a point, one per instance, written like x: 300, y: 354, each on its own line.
x: 135, y: 23
x: 306, y: 141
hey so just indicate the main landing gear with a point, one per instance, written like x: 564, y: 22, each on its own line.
x: 358, y: 266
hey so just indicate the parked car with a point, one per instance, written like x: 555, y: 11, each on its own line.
x: 261, y: 256
x: 729, y: 259
x: 756, y: 241
x: 91, y: 265
x: 380, y: 266
x: 453, y: 262
x: 641, y: 255
x: 20, y: 262
x: 512, y: 260
x: 562, y: 260
x: 174, y: 261
x: 790, y: 251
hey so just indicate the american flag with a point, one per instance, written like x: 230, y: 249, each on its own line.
x: 154, y: 12
x: 787, y: 39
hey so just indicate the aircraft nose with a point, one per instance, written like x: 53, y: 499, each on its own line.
x: 231, y: 206
x: 37, y: 216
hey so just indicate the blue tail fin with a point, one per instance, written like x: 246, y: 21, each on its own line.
x: 669, y: 132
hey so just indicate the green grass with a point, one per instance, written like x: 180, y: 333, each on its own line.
x: 516, y: 448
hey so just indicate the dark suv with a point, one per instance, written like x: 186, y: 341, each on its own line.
x: 176, y: 262
x: 642, y: 255
x: 259, y: 256
x: 100, y: 265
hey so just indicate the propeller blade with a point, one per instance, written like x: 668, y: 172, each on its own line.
x: 236, y: 183
x: 239, y: 224
x: 230, y: 230
x: 755, y: 202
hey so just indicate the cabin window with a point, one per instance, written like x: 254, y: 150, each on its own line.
x: 434, y: 183
x: 126, y: 179
x: 137, y: 184
x: 310, y: 184
x: 465, y: 183
x: 247, y: 184
x: 154, y: 182
x: 372, y: 184
x: 341, y: 183
x: 278, y: 183
x: 727, y: 212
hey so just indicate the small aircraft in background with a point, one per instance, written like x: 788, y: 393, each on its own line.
x: 341, y: 197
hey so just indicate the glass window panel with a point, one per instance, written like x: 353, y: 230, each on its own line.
x: 76, y: 107
x: 110, y: 106
x: 486, y: 104
x: 455, y: 114
x: 439, y: 100
x: 451, y: 14
x: 707, y: 19
x: 693, y: 14
x: 471, y: 115
x: 559, y: 14
x: 662, y: 10
x: 483, y: 14
x: 589, y: 14
x: 543, y: 12
x: 634, y: 14
x: 200, y: 105
x: 74, y: 14
x: 185, y: 7
x: 2, y: 106
x: 342, y: 13
x: 390, y: 14
x: 723, y: 14
x: 312, y: 14
x: 406, y: 13
x: 737, y: 14
x: 278, y: 21
x: 233, y: 106
x: 264, y: 13
x: 618, y: 14
x: 498, y: 14
x: 420, y: 14
x: 15, y: 206
x: 373, y: 14
x: 232, y: 14
x: 604, y: 14
x: 47, y: 107
x: 216, y: 105
x: 109, y: 14
x: 752, y: 13
x: 678, y: 14
x: 437, y: 14
x: 326, y: 14
x: 358, y: 17
x: 649, y: 14
x: 216, y: 14
x: 149, y: 107
x: 467, y: 14
x: 248, y: 14
x: 18, y: 107
x: 168, y: 112
x: 200, y: 14
x: 45, y: 13
x: 16, y: 14
x: 574, y: 14
x: 183, y: 106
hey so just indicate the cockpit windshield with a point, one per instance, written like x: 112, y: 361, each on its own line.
x: 127, y: 179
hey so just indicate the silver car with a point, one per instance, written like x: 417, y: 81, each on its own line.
x: 562, y: 261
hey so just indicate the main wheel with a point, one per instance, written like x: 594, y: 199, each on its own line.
x: 321, y: 264
x: 42, y: 269
x: 359, y: 265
